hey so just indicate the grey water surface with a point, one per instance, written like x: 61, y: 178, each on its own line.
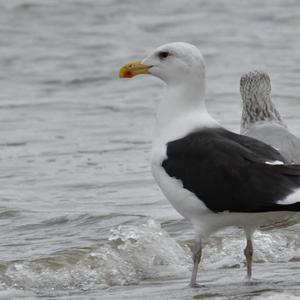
x: 80, y: 215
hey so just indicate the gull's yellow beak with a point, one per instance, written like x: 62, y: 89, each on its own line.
x: 133, y: 68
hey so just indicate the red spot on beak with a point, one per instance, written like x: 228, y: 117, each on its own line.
x: 127, y: 74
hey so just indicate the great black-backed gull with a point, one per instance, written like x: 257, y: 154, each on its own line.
x: 261, y: 120
x: 213, y: 177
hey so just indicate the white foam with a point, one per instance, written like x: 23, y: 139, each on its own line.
x: 150, y: 250
x: 145, y: 251
x: 132, y: 253
x: 226, y: 251
x: 276, y: 296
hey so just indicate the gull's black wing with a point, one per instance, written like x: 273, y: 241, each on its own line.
x: 228, y: 172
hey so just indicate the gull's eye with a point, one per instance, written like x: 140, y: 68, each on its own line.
x: 163, y: 54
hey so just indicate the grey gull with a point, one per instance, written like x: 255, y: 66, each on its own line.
x: 261, y: 120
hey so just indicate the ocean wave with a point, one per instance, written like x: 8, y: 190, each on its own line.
x: 131, y: 254
x: 136, y: 252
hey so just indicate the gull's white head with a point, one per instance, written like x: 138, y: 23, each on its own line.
x: 182, y: 109
x: 173, y: 63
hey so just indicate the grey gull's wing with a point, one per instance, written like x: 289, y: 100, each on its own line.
x: 278, y: 137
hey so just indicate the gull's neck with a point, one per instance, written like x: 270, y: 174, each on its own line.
x: 258, y: 109
x: 181, y: 111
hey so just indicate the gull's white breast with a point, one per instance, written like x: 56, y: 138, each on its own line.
x: 184, y: 201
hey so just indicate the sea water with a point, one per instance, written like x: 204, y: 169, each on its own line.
x: 80, y: 214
